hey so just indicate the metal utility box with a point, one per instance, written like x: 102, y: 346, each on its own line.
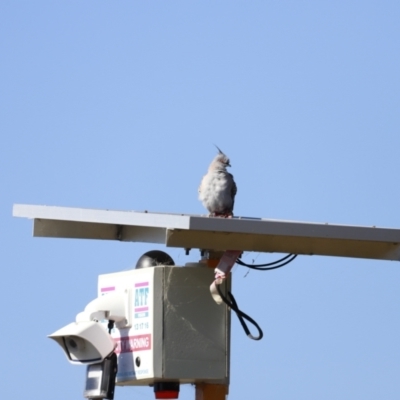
x: 176, y: 331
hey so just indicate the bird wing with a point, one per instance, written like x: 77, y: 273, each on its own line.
x: 201, y: 184
x: 233, y: 190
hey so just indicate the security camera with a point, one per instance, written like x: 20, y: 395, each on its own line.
x: 87, y: 341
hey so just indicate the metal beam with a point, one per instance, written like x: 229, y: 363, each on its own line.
x: 196, y: 231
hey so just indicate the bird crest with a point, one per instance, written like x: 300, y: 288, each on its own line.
x: 219, y: 150
x: 222, y: 158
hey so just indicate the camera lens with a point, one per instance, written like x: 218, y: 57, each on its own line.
x: 72, y: 343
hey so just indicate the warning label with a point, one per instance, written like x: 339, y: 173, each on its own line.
x: 129, y: 344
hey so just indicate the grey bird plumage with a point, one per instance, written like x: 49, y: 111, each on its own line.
x: 218, y: 189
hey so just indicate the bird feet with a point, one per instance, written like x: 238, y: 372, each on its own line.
x: 221, y: 214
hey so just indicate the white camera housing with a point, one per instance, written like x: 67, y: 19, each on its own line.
x: 115, y: 307
x: 84, y: 342
x: 87, y: 341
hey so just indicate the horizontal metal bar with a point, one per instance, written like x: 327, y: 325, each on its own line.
x: 294, y: 228
x: 284, y: 244
x: 101, y: 216
x: 88, y: 230
x: 195, y: 231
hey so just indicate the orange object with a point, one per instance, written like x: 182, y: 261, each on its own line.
x: 212, y: 262
x: 206, y: 391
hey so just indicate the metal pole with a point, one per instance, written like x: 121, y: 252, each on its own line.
x: 207, y: 391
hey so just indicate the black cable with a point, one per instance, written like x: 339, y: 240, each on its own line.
x: 231, y: 302
x: 265, y: 267
x: 110, y: 326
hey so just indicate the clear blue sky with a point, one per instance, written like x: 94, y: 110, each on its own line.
x: 117, y: 105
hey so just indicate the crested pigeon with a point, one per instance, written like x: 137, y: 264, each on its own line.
x: 218, y: 189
